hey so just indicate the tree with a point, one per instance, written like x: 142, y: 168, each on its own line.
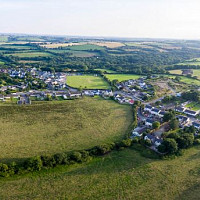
x: 168, y: 116
x: 33, y: 164
x: 174, y: 124
x: 156, y: 125
x: 169, y: 146
x: 185, y: 140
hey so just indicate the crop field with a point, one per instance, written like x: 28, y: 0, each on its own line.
x: 16, y: 47
x: 62, y: 126
x: 122, y: 77
x: 124, y: 174
x: 87, y: 81
x: 108, y: 44
x: 177, y: 71
x: 57, y: 45
x: 30, y: 54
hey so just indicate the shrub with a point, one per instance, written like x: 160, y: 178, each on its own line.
x: 61, y: 158
x: 76, y: 156
x: 126, y: 143
x: 147, y: 143
x: 48, y: 161
x: 197, y: 141
x: 33, y: 164
x: 135, y: 140
x: 4, y: 170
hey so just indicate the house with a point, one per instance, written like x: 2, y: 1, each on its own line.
x: 155, y: 111
x: 180, y: 109
x: 158, y: 142
x: 149, y: 137
x: 148, y: 108
x: 136, y: 134
x: 183, y: 119
x: 196, y: 125
x: 191, y: 112
x: 149, y: 122
x: 161, y: 114
x: 187, y: 71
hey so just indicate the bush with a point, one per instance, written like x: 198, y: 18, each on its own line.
x: 4, y: 170
x: 135, y: 140
x: 48, y: 161
x: 147, y: 143
x: 33, y: 164
x: 76, y: 156
x: 61, y: 159
x: 126, y: 143
x: 197, y: 141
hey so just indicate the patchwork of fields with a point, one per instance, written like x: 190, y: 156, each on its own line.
x: 52, y: 127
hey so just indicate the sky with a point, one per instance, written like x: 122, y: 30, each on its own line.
x: 178, y: 19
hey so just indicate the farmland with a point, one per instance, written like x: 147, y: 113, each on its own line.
x: 122, y: 77
x: 87, y: 81
x: 30, y: 54
x: 47, y: 128
x: 120, y: 175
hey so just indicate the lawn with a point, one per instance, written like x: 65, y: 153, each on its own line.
x: 193, y: 106
x: 87, y: 81
x: 51, y: 127
x: 122, y: 77
x: 30, y: 55
x: 120, y: 175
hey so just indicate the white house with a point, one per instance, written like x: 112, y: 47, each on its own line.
x: 148, y: 108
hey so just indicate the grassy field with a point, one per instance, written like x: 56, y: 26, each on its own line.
x: 122, y: 77
x: 109, y: 44
x: 87, y: 81
x: 186, y: 80
x: 85, y: 47
x: 176, y: 71
x: 193, y: 106
x: 30, y: 55
x: 60, y: 126
x: 120, y: 175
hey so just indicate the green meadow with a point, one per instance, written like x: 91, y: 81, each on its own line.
x: 60, y: 126
x: 126, y: 174
x: 87, y: 81
x: 122, y: 77
x: 30, y: 54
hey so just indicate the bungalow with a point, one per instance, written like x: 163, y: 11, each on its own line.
x: 155, y: 140
x: 196, y: 125
x: 180, y: 109
x: 149, y: 137
x: 148, y: 108
x: 155, y: 111
x: 191, y: 112
x: 149, y: 122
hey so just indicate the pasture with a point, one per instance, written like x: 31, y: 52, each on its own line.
x: 60, y: 126
x: 122, y: 77
x: 87, y: 81
x: 85, y: 47
x: 108, y: 44
x: 124, y: 174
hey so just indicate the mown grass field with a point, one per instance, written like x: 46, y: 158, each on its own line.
x: 122, y: 77
x: 51, y: 127
x: 125, y: 174
x: 87, y: 81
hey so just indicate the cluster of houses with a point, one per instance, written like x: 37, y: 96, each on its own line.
x: 124, y: 99
x: 187, y: 111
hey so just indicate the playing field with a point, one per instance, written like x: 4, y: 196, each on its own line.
x: 122, y: 77
x: 87, y: 81
x: 51, y: 127
x: 120, y: 175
